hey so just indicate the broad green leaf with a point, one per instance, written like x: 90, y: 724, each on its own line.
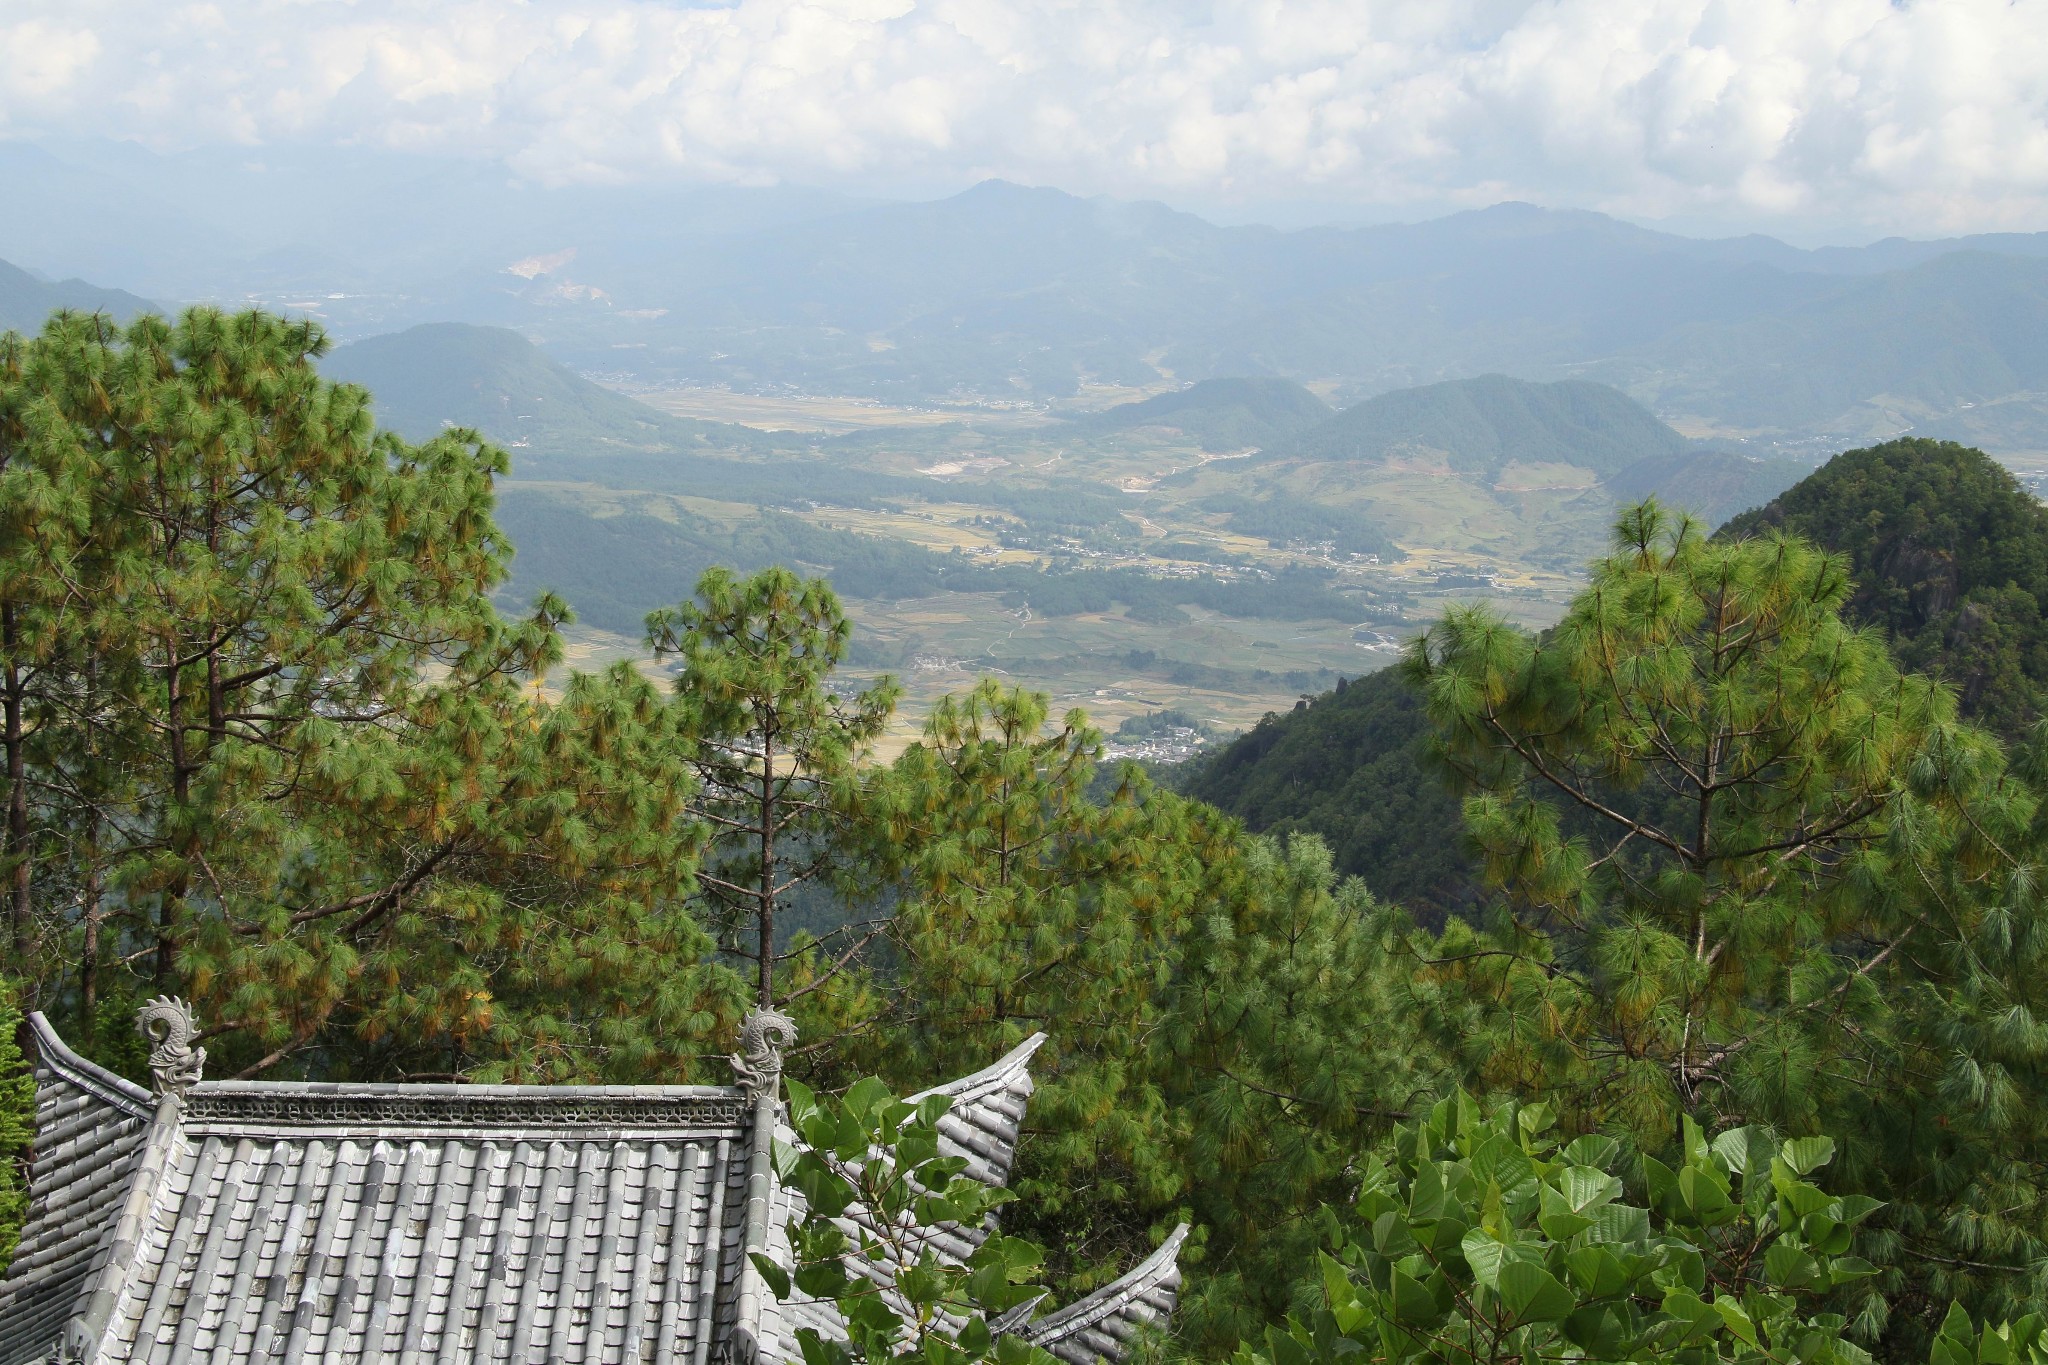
x: 776, y: 1276
x: 1485, y: 1255
x: 1592, y: 1150
x: 1597, y: 1272
x: 1586, y: 1189
x: 1705, y: 1196
x: 1791, y: 1267
x: 1413, y: 1305
x: 1557, y: 1218
x: 1736, y: 1319
x: 1621, y: 1224
x: 1533, y: 1294
x: 1808, y: 1154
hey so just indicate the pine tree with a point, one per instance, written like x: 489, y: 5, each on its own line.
x: 1025, y: 907
x: 1285, y: 1046
x: 17, y: 1124
x: 773, y: 745
x: 288, y: 758
x: 1749, y: 871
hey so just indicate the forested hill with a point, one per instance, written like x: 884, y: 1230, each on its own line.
x: 1348, y: 766
x: 1222, y: 414
x: 1482, y: 425
x: 25, y: 300
x: 1950, y: 558
x: 491, y: 378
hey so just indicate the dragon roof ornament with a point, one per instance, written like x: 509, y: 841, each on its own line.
x: 174, y: 1063
x: 757, y: 1066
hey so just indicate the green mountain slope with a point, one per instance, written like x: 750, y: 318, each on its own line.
x: 1950, y: 558
x: 1482, y: 425
x: 1221, y: 414
x: 26, y: 301
x: 452, y: 374
x: 1348, y: 766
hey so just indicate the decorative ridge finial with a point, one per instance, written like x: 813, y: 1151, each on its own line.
x: 174, y: 1063
x: 757, y: 1066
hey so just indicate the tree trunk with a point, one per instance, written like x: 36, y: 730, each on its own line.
x: 181, y: 794
x: 14, y: 723
x: 89, y: 950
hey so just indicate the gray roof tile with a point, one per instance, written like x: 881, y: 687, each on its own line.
x: 90, y: 1129
x: 247, y: 1223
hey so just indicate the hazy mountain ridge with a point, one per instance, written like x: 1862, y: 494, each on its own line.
x: 1006, y: 290
x: 454, y: 374
x: 1223, y: 414
x: 1480, y: 426
x: 26, y: 302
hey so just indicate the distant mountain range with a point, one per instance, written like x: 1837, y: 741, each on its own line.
x: 26, y: 300
x: 433, y: 376
x: 1009, y: 290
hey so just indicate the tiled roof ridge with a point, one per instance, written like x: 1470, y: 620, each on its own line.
x: 757, y: 1231
x: 1145, y: 1294
x: 997, y: 1075
x: 87, y: 1331
x: 456, y: 1110
x: 50, y: 1050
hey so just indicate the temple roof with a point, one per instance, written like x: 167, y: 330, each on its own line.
x: 247, y: 1221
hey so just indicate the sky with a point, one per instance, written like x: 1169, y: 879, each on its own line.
x: 1813, y: 120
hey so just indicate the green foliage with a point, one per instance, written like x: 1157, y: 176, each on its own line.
x: 1735, y: 743
x: 1279, y: 976
x: 870, y: 1162
x: 774, y: 747
x: 276, y: 748
x: 17, y: 1123
x: 2024, y: 1342
x: 1027, y: 907
x: 1202, y: 993
x: 1949, y: 556
x: 1748, y: 868
x: 1485, y: 1237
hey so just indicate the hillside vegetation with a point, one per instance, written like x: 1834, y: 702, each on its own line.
x: 273, y: 745
x: 1220, y: 414
x: 1482, y: 425
x: 1950, y: 559
x: 1348, y: 767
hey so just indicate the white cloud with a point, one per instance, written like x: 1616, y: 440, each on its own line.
x: 1924, y: 116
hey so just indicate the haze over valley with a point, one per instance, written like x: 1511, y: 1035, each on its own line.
x: 1102, y: 447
